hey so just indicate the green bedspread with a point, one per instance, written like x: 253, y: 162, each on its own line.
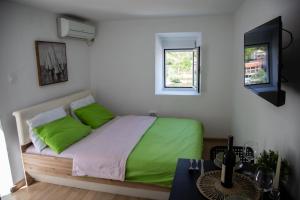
x: 154, y: 158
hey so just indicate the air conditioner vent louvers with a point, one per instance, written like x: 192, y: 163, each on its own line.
x: 75, y: 29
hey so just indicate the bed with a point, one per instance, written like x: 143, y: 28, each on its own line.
x: 149, y: 168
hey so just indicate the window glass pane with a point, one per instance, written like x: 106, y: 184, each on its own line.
x: 179, y: 68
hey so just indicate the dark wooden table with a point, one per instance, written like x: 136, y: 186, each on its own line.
x: 184, y: 183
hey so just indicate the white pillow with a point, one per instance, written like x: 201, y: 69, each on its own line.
x: 41, y: 119
x: 81, y: 103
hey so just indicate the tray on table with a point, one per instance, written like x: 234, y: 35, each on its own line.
x: 210, y: 186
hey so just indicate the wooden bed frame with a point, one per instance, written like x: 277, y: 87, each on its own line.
x: 58, y: 170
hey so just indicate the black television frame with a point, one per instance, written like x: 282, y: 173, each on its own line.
x: 269, y: 91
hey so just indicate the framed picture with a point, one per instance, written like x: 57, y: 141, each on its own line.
x: 51, y: 62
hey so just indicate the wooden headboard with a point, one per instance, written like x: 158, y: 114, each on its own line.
x: 28, y: 113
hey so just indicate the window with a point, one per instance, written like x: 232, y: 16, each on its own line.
x: 181, y: 68
x: 177, y: 63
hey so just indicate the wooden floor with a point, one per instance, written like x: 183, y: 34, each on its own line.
x: 46, y: 191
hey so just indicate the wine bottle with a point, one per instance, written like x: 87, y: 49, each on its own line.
x: 228, y: 165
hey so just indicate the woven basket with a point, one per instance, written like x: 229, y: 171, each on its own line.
x: 210, y: 186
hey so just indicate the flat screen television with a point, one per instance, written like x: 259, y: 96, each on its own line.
x: 263, y: 61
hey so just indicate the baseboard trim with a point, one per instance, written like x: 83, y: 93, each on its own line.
x: 18, y: 185
x: 134, y: 192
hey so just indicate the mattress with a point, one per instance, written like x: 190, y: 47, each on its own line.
x: 48, y: 152
x: 154, y: 158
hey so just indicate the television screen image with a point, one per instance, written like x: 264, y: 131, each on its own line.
x: 257, y: 64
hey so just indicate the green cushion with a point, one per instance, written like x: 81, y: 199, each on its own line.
x: 62, y: 133
x: 94, y: 115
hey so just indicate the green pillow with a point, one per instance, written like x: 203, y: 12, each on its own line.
x: 62, y: 133
x: 94, y: 115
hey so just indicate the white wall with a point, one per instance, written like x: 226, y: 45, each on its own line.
x: 20, y: 27
x: 253, y: 117
x: 123, y: 69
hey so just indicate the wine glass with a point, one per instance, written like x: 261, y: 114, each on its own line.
x: 264, y: 178
x: 249, y: 157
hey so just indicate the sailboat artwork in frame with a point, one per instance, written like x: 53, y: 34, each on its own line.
x: 51, y: 62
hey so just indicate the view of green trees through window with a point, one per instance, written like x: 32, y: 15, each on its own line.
x: 179, y: 68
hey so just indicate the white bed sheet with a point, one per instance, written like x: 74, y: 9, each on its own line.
x: 70, y: 152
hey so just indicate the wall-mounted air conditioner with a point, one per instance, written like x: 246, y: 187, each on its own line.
x: 75, y: 29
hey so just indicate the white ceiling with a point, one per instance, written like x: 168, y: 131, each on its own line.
x: 122, y: 9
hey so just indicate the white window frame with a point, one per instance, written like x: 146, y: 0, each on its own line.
x: 182, y: 40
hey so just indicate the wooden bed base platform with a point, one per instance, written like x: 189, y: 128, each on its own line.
x: 59, y: 171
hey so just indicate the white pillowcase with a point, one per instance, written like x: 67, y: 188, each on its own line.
x: 81, y: 103
x: 41, y: 119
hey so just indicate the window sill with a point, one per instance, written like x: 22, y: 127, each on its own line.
x: 189, y: 92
